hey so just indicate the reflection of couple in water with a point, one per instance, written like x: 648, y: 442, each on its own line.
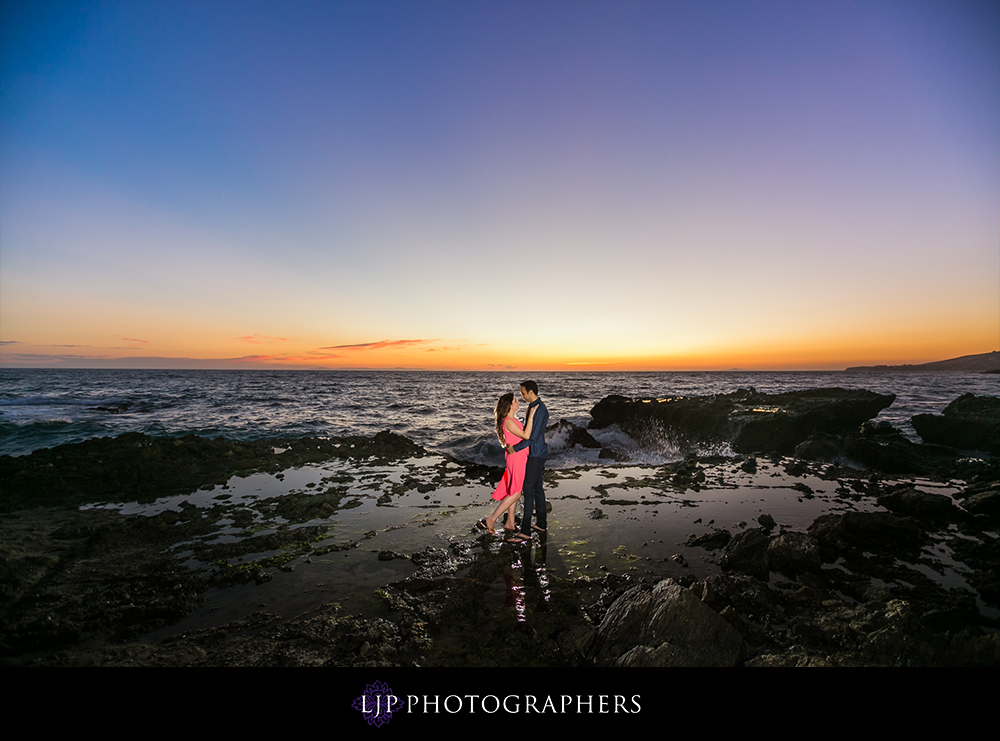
x: 526, y: 454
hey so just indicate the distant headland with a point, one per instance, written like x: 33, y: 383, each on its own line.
x: 987, y: 362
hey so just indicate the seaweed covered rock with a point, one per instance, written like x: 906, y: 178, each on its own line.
x: 138, y: 467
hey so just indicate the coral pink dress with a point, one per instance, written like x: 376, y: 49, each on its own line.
x: 513, y: 478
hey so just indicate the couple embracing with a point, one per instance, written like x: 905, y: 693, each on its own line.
x: 526, y: 454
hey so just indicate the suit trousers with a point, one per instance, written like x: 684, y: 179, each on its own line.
x: 534, y: 496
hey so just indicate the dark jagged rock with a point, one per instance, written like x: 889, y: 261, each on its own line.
x: 689, y: 474
x: 665, y: 626
x: 614, y: 455
x: 747, y: 553
x: 718, y: 538
x: 804, y: 488
x: 748, y: 420
x: 982, y: 500
x: 877, y: 446
x: 574, y: 435
x: 969, y: 423
x: 793, y: 553
x: 856, y: 532
x: 916, y: 503
x: 115, y: 408
x: 433, y: 563
x: 743, y: 594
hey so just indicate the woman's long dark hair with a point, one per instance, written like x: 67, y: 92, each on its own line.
x: 503, y: 407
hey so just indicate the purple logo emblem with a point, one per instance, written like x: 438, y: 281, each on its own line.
x: 377, y: 704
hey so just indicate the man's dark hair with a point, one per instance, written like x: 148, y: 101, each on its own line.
x: 530, y: 386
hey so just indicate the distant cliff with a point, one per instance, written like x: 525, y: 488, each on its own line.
x: 986, y: 362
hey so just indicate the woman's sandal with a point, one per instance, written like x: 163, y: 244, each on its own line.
x: 519, y: 538
x: 481, y: 525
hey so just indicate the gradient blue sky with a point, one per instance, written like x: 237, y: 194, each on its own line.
x: 472, y: 185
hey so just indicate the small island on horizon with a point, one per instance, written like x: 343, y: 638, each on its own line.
x: 987, y: 362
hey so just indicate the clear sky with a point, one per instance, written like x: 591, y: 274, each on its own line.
x: 541, y: 185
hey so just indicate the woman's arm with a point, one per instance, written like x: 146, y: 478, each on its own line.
x: 514, y: 429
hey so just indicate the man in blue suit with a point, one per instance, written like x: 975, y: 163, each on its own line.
x: 534, y: 496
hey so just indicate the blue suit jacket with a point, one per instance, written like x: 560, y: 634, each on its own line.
x: 536, y: 442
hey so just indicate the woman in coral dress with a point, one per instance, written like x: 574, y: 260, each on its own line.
x: 509, y: 432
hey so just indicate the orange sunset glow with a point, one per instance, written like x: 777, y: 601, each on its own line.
x: 814, y: 189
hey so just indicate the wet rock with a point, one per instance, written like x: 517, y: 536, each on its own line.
x: 115, y: 408
x: 806, y: 633
x: 73, y: 531
x: 710, y: 541
x: 795, y: 467
x: 822, y: 447
x: 666, y: 625
x: 304, y: 507
x: 803, y: 488
x: 984, y: 500
x: 866, y: 531
x: 389, y: 555
x: 877, y: 446
x: 793, y: 553
x: 137, y: 467
x: 748, y: 420
x: 910, y: 501
x: 433, y: 563
x: 767, y: 522
x: 615, y: 455
x: 325, y: 640
x: 573, y: 435
x: 747, y: 553
x: 687, y: 474
x: 970, y: 422
x: 112, y: 582
x: 877, y: 633
x: 744, y: 595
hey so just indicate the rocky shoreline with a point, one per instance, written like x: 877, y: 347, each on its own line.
x: 136, y: 551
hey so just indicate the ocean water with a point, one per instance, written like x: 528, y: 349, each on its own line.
x: 446, y: 412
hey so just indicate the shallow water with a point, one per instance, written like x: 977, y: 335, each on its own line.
x: 645, y: 523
